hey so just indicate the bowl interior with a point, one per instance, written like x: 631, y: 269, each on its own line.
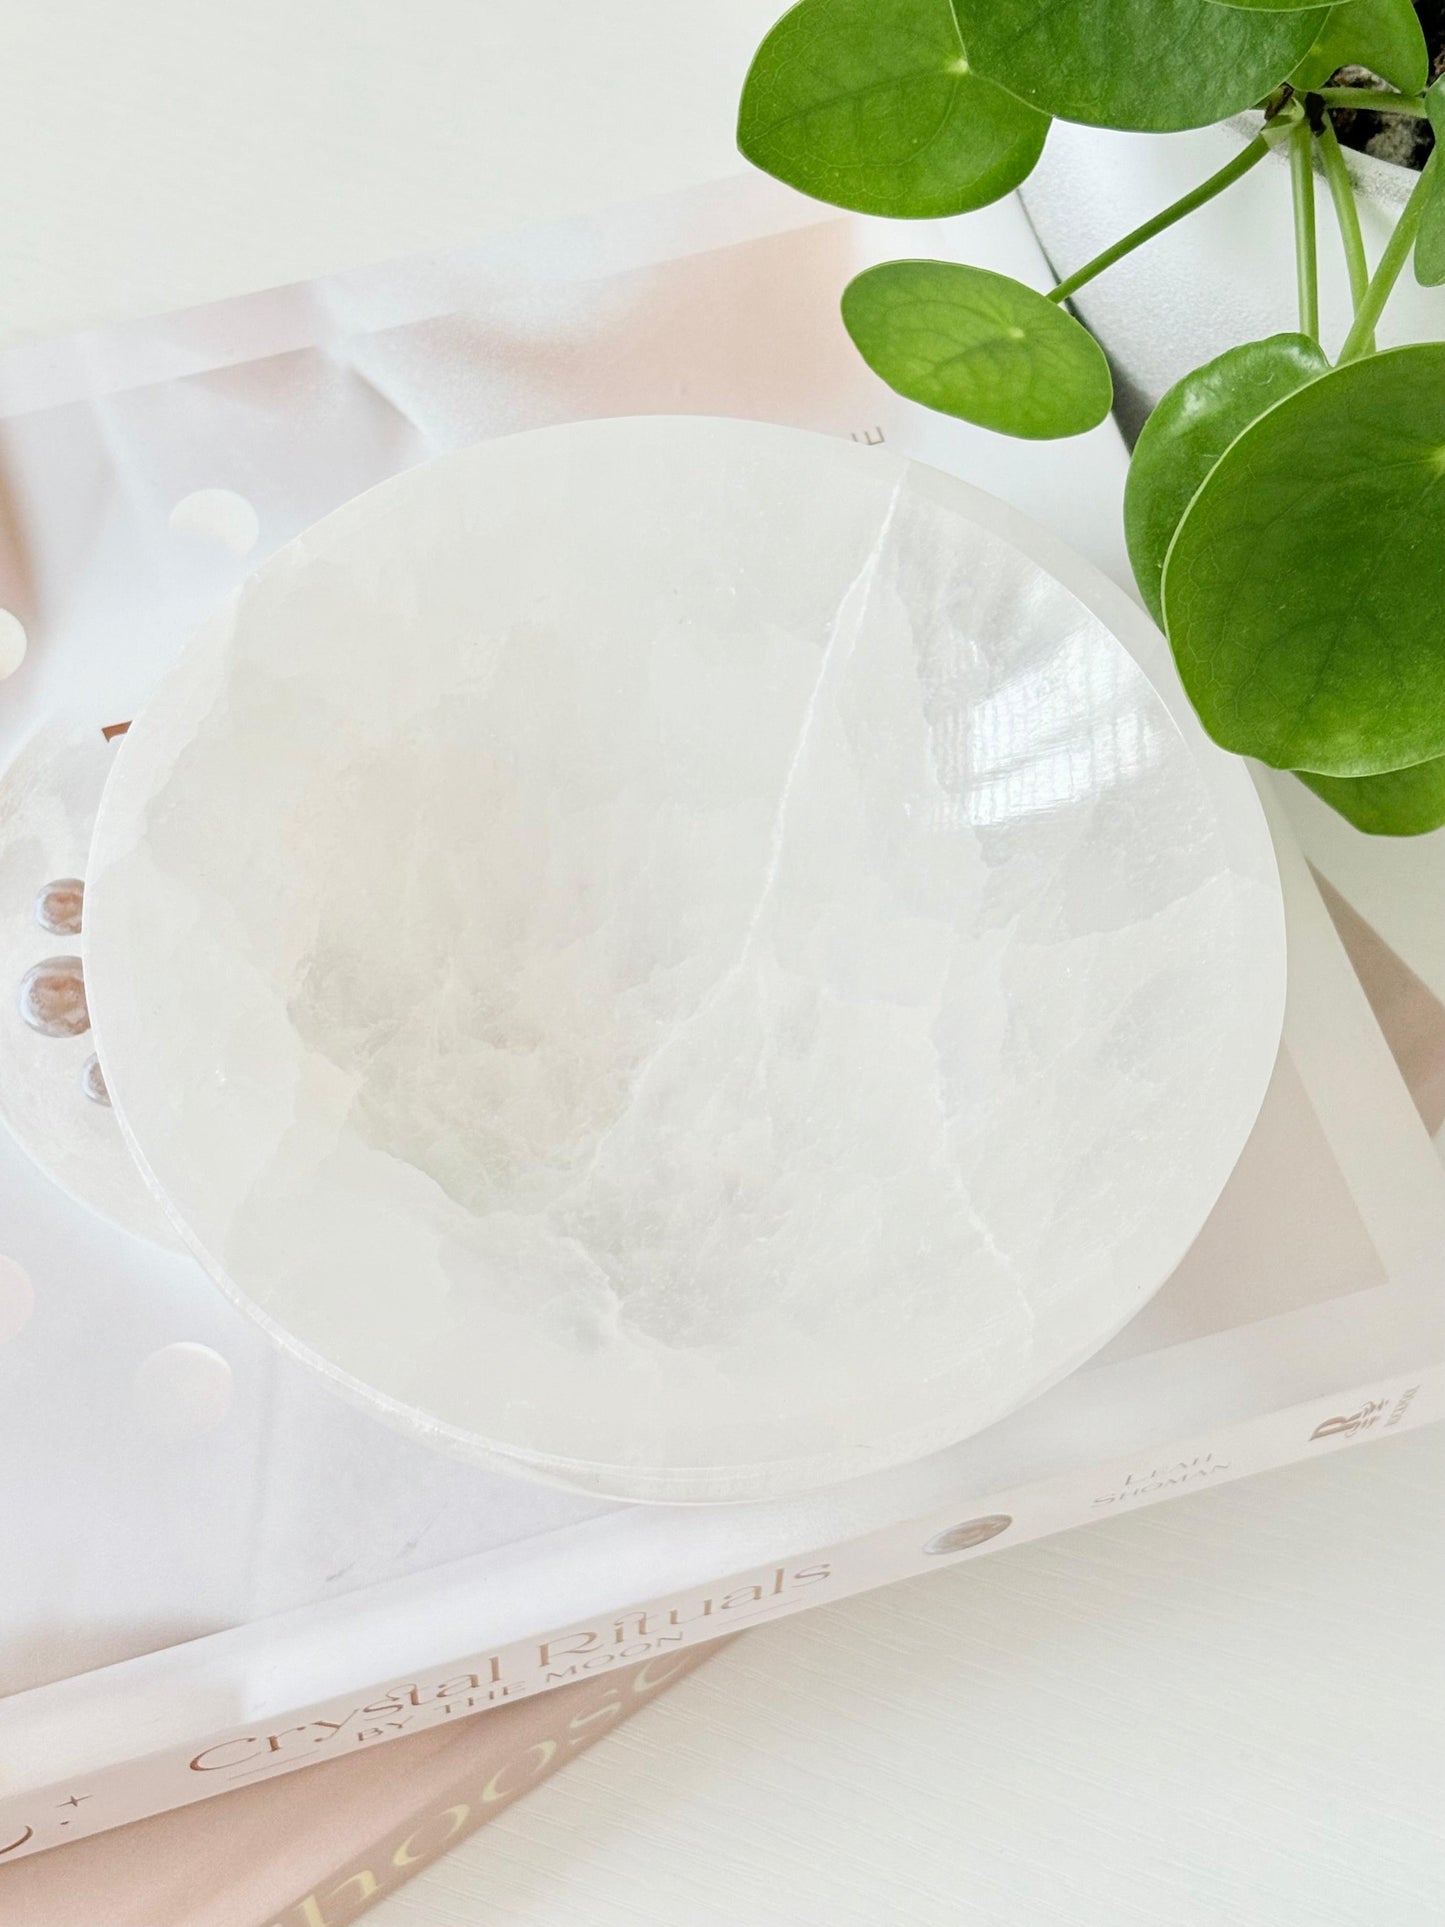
x: 672, y: 954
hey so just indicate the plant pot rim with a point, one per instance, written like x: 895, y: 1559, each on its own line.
x: 1383, y: 181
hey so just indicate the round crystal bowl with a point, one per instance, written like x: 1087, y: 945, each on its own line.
x: 684, y: 958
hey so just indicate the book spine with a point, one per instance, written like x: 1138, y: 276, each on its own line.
x: 214, y: 1762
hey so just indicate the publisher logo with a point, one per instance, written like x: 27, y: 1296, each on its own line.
x: 973, y: 1532
x: 1347, y: 1424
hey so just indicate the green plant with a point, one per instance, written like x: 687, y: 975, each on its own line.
x: 1285, y: 515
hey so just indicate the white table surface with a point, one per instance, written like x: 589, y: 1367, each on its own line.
x: 1220, y: 1711
x: 1223, y: 1712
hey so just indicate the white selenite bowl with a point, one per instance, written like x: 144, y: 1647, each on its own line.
x: 678, y: 957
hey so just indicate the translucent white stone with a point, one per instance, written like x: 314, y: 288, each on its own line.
x: 13, y: 643
x: 676, y: 956
x: 52, y: 997
x: 219, y: 516
x: 92, y: 1081
x: 49, y: 796
x: 60, y: 907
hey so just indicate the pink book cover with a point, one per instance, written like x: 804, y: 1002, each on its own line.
x: 317, y: 1848
x: 1406, y: 1009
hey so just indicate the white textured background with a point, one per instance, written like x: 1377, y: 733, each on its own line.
x: 1223, y: 1712
x: 1220, y: 1713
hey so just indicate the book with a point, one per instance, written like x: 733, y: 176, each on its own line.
x: 1411, y: 1017
x: 291, y: 1584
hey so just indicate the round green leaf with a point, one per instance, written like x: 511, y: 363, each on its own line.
x: 1304, y: 591
x: 978, y: 345
x: 869, y: 104
x: 1383, y: 35
x: 1430, y: 238
x: 1402, y: 802
x: 1189, y: 431
x: 1150, y: 65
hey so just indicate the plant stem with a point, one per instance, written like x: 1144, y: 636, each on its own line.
x: 1397, y: 253
x: 1302, y: 184
x: 1206, y: 191
x: 1342, y: 193
x: 1373, y: 100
